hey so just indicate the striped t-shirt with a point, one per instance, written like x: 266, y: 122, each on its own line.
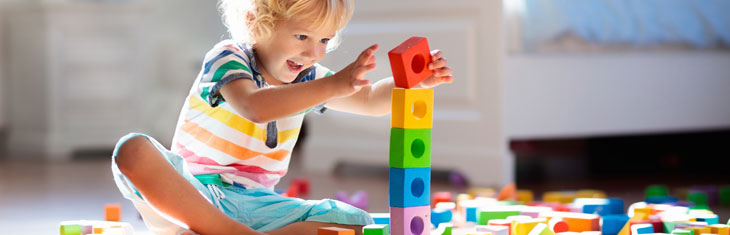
x: 214, y: 139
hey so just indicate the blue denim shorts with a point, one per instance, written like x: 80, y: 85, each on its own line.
x: 261, y: 209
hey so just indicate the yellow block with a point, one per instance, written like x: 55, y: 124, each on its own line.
x: 525, y: 196
x: 699, y: 230
x: 720, y: 229
x: 561, y: 197
x: 412, y: 108
x: 481, y: 192
x: 525, y: 226
x: 589, y: 193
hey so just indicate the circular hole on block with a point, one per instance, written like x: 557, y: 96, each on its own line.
x: 417, y: 225
x: 418, y: 63
x: 418, y: 148
x: 417, y: 187
x: 419, y: 109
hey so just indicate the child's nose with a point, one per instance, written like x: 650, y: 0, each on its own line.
x: 315, y: 51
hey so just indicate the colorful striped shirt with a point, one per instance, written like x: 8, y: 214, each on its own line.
x: 214, y: 139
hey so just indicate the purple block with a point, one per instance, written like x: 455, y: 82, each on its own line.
x: 710, y: 190
x: 410, y: 220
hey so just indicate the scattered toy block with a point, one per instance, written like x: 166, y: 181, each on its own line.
x: 375, y: 229
x: 502, y: 222
x: 409, y: 220
x: 380, y: 218
x: 508, y: 192
x: 439, y: 215
x: 412, y: 108
x: 410, y: 148
x: 681, y: 232
x: 489, y: 213
x: 558, y: 225
x: 541, y: 229
x: 444, y: 229
x: 113, y: 212
x: 525, y: 226
x: 440, y: 197
x: 590, y: 193
x: 70, y: 229
x: 409, y: 187
x: 493, y: 229
x: 482, y: 192
x: 525, y: 196
x: 612, y: 224
x: 698, y: 230
x: 301, y: 185
x: 334, y: 231
x: 720, y: 229
x: 642, y: 229
x: 577, y: 222
x: 409, y: 62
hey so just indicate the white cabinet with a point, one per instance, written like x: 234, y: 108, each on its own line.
x: 467, y: 130
x: 75, y: 76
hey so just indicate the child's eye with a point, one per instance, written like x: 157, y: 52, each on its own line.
x: 301, y: 37
x: 325, y: 40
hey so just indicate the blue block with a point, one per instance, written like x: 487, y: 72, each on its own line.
x: 612, y: 224
x: 471, y: 214
x: 601, y: 206
x: 645, y: 230
x: 616, y: 206
x: 440, y: 215
x: 381, y: 218
x: 409, y: 187
x: 710, y: 219
x: 660, y: 199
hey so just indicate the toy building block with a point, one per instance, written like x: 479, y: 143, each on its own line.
x: 720, y: 229
x: 444, y: 229
x: 409, y: 62
x: 412, y: 108
x: 612, y: 224
x: 440, y: 197
x: 502, y: 222
x: 709, y: 218
x: 410, y: 220
x: 699, y: 230
x: 525, y: 226
x: 590, y: 193
x: 725, y: 195
x: 70, y: 229
x: 410, y: 148
x: 534, y: 211
x: 577, y: 222
x: 485, y: 214
x: 699, y: 198
x: 440, y: 215
x: 493, y: 229
x: 508, y: 192
x: 409, y: 187
x: 681, y: 232
x: 478, y: 233
x: 482, y: 192
x: 334, y: 231
x: 380, y: 218
x: 525, y: 196
x: 301, y: 185
x: 375, y: 229
x: 558, y: 225
x: 641, y: 229
x: 113, y: 212
x: 541, y: 229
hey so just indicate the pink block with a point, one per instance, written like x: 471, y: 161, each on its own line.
x: 494, y: 229
x: 532, y: 214
x: 410, y: 220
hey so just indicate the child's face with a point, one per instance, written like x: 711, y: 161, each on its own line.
x: 292, y: 47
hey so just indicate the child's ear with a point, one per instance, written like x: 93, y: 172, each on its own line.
x: 249, y: 19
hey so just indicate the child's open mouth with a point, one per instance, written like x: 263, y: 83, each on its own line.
x: 294, y: 66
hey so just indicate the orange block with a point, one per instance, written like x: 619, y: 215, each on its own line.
x: 409, y: 62
x: 509, y: 192
x: 113, y: 212
x: 334, y: 231
x: 577, y: 222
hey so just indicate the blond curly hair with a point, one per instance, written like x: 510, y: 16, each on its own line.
x: 245, y: 18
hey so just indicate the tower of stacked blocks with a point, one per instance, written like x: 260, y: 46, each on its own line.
x: 410, y: 139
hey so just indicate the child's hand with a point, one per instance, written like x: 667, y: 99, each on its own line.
x: 441, y: 73
x: 349, y: 80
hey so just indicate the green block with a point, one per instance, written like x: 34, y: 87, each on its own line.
x: 681, y: 232
x: 410, y: 148
x: 657, y: 190
x: 669, y: 225
x: 699, y: 199
x: 375, y: 229
x: 71, y: 229
x: 483, y: 217
x: 725, y: 195
x: 443, y: 229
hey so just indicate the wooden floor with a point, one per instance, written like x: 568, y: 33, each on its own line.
x: 36, y: 195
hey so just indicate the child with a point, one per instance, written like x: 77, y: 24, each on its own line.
x: 240, y: 121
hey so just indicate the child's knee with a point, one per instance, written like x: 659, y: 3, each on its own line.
x: 130, y: 151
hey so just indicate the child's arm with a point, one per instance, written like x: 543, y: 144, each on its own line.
x: 262, y: 105
x: 375, y: 100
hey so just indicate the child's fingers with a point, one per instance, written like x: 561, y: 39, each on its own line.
x: 437, y: 64
x: 359, y: 83
x: 445, y: 71
x: 436, y: 54
x: 367, y: 54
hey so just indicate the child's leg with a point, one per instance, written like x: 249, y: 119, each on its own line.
x: 166, y: 190
x: 310, y: 227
